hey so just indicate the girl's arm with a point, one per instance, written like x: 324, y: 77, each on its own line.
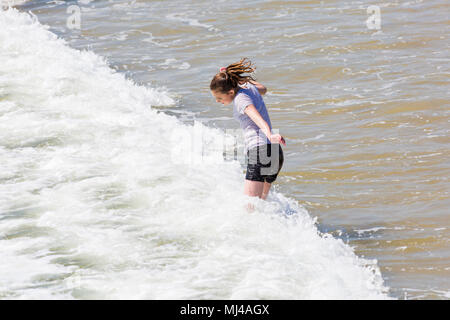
x: 251, y: 111
x: 262, y: 89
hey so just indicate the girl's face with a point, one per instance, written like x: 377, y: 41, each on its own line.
x: 223, y: 98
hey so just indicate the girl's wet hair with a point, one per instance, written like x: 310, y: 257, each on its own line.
x: 230, y: 79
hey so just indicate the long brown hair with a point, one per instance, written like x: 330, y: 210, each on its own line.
x: 230, y: 79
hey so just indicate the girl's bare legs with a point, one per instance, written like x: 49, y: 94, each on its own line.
x: 256, y: 189
x: 253, y: 188
x: 266, y: 189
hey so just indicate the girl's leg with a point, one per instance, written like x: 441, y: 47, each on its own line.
x: 253, y: 188
x: 266, y: 189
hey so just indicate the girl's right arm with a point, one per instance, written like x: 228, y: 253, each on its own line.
x: 253, y: 114
x: 262, y: 89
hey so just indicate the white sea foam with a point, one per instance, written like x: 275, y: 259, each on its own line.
x: 92, y: 204
x: 10, y: 3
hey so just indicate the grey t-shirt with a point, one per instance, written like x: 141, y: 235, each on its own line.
x: 247, y: 95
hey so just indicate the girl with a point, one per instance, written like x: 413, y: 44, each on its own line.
x: 264, y: 153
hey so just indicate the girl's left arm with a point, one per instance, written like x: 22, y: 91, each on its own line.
x: 251, y: 111
x: 262, y: 89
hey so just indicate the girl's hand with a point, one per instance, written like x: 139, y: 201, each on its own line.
x: 276, y: 138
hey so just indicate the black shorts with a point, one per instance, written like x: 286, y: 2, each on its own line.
x: 261, y: 165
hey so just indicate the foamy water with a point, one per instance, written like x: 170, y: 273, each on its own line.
x: 93, y: 207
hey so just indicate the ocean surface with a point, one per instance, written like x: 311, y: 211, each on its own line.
x: 114, y: 183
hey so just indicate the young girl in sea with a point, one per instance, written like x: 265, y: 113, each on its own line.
x: 264, y: 153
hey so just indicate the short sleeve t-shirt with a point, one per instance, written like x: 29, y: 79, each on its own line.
x: 253, y: 135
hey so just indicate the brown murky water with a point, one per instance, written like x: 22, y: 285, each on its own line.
x: 365, y: 112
